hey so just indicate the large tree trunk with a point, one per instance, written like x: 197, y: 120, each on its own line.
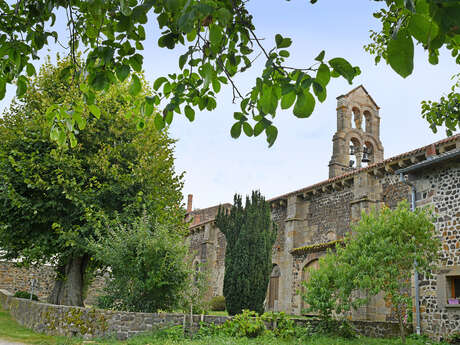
x: 68, y: 287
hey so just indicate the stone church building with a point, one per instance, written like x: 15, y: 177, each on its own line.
x: 312, y: 219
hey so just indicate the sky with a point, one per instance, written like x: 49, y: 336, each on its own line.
x: 217, y: 166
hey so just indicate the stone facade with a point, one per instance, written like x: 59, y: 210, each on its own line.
x: 320, y: 215
x: 438, y: 186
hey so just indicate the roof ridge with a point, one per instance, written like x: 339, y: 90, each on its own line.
x: 354, y: 172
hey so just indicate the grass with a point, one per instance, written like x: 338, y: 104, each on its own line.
x: 12, y: 331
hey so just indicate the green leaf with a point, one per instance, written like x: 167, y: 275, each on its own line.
x: 122, y: 72
x: 215, y: 36
x: 320, y: 56
x: 323, y: 75
x: 320, y: 91
x: 182, y: 60
x: 159, y: 122
x: 30, y: 69
x: 169, y: 117
x: 235, y: 131
x: 81, y: 121
x: 282, y: 42
x: 343, y: 67
x: 268, y: 100
x: 272, y: 133
x: 73, y: 140
x: 148, y: 108
x: 284, y: 53
x: 189, y: 113
x: 304, y: 105
x: 22, y: 86
x: 159, y: 82
x: 94, y: 109
x: 288, y: 100
x: 98, y: 81
x: 135, y: 86
x: 215, y: 85
x: 423, y: 28
x: 258, y: 128
x: 401, y: 53
x: 136, y: 62
x: 247, y: 129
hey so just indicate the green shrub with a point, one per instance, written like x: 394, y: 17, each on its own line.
x: 284, y: 327
x: 25, y: 294
x: 148, y: 266
x: 247, y: 324
x: 217, y: 303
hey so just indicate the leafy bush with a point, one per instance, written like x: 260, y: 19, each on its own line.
x: 25, y: 294
x: 148, y: 267
x: 247, y: 324
x: 217, y: 303
x: 284, y: 327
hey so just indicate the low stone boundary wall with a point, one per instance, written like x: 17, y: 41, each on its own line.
x: 90, y: 323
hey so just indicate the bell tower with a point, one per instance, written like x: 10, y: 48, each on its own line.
x: 357, y: 140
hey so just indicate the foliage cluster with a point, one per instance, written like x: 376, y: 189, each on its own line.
x: 25, y: 294
x: 250, y: 235
x: 146, y: 263
x: 55, y: 200
x: 217, y: 303
x: 378, y: 256
x: 250, y: 324
x: 434, y: 25
x: 218, y: 41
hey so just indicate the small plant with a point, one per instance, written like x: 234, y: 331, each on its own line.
x: 25, y: 294
x: 454, y: 338
x: 217, y: 303
x: 281, y: 325
x: 247, y: 324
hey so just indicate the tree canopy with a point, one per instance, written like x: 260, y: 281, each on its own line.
x: 220, y: 42
x: 54, y: 200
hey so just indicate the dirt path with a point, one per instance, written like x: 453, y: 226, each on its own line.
x: 6, y: 342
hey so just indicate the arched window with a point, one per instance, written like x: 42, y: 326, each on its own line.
x: 273, y: 288
x: 357, y: 117
x: 368, y: 117
x: 306, y: 275
x: 368, y: 153
x: 355, y: 150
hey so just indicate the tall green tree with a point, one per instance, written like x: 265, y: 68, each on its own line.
x: 220, y: 41
x: 250, y: 236
x: 377, y: 257
x: 54, y: 199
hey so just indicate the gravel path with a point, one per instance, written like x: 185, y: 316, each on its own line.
x: 6, y: 342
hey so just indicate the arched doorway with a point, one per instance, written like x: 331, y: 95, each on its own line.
x: 273, y: 288
x: 306, y: 275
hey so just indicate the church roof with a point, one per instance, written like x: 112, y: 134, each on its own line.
x: 387, y: 165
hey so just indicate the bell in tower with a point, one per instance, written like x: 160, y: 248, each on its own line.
x: 357, y: 141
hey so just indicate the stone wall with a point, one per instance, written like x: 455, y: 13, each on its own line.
x: 90, y: 323
x: 14, y: 278
x: 440, y: 188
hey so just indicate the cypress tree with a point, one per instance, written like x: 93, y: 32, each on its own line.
x: 250, y: 236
